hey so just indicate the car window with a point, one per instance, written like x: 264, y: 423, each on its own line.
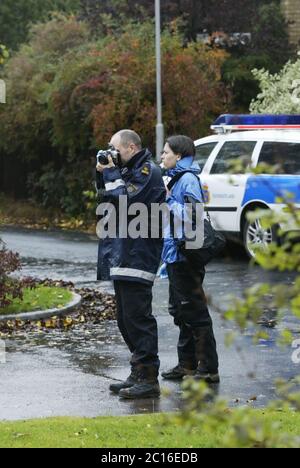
x: 232, y: 150
x: 203, y: 152
x: 285, y: 155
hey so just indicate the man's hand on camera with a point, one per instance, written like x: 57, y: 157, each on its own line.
x: 101, y: 167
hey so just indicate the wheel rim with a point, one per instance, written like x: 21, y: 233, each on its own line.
x: 258, y: 237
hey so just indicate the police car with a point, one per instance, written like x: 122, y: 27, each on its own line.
x: 254, y: 139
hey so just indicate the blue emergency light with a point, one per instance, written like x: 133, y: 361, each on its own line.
x: 229, y: 122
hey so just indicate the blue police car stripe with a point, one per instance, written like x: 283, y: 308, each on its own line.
x: 132, y: 273
x: 269, y: 188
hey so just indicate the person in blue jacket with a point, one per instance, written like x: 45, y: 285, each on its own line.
x: 197, y: 353
x: 132, y: 263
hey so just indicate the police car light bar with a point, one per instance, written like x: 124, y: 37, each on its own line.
x: 230, y: 122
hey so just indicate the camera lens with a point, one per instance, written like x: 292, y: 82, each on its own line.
x: 102, y: 157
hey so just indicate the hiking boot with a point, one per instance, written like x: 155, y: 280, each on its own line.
x: 129, y: 382
x: 208, y: 377
x: 142, y: 389
x: 146, y: 385
x: 177, y: 373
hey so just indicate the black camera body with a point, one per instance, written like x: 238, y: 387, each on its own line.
x: 102, y: 156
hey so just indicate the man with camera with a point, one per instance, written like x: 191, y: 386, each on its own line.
x: 132, y: 263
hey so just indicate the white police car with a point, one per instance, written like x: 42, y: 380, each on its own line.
x: 255, y: 139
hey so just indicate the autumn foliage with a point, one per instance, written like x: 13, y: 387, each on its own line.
x: 113, y: 86
x: 69, y: 93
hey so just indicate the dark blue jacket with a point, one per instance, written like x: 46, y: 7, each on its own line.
x: 125, y: 258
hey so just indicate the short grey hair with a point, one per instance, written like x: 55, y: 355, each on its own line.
x: 129, y: 136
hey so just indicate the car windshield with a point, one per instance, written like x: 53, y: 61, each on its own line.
x: 203, y: 152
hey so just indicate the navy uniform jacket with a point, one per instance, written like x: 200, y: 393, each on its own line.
x: 125, y: 258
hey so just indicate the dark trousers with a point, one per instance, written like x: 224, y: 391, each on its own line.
x: 136, y: 322
x: 188, y: 306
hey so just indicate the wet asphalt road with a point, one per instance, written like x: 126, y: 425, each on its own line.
x: 68, y: 373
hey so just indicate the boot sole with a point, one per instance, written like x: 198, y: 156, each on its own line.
x: 140, y: 397
x: 212, y: 381
x: 209, y: 380
x: 178, y: 376
x: 168, y: 377
x: 117, y: 391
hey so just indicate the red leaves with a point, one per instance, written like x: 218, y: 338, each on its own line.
x: 9, y: 262
x: 11, y: 288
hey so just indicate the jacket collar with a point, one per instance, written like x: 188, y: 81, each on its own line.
x: 185, y: 164
x: 138, y: 159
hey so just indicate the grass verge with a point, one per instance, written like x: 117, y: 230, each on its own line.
x: 39, y: 298
x: 146, y: 431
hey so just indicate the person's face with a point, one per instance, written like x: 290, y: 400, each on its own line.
x: 126, y: 152
x: 169, y: 158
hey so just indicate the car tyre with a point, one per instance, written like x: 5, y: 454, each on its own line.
x: 255, y: 235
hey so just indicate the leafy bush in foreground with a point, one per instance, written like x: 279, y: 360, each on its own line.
x: 10, y: 288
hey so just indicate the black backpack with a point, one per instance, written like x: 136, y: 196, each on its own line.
x: 214, y: 241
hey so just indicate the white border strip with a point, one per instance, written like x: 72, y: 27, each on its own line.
x: 114, y: 185
x: 132, y: 273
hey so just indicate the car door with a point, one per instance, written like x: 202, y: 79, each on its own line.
x: 284, y: 184
x: 225, y: 190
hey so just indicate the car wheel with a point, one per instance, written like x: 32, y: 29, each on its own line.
x: 256, y: 236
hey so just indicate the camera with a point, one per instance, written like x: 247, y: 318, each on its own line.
x: 102, y: 156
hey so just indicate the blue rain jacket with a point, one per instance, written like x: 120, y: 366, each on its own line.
x: 186, y: 188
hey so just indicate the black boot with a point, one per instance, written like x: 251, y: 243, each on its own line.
x: 208, y: 377
x: 146, y: 385
x: 179, y: 372
x: 129, y: 382
x: 206, y: 353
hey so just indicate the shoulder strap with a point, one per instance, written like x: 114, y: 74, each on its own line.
x: 181, y: 174
x: 178, y: 176
x: 175, y: 179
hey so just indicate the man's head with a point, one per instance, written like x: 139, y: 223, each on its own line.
x: 128, y: 143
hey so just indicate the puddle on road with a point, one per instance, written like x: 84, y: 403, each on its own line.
x: 92, y: 348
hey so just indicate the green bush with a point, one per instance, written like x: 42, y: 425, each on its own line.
x: 3, y: 54
x: 269, y: 49
x: 16, y: 17
x: 279, y: 92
